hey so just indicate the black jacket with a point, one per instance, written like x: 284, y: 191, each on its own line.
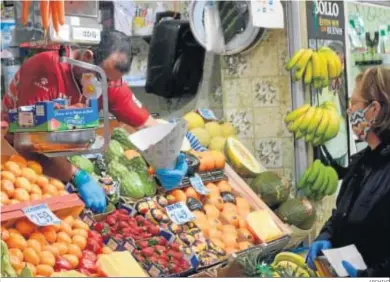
x: 362, y: 216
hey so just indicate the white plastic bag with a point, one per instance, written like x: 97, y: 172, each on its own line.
x: 214, y: 39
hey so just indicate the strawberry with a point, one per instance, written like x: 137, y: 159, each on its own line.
x: 142, y: 244
x: 147, y: 252
x: 123, y: 217
x: 153, y: 229
x: 162, y: 241
x: 174, y: 246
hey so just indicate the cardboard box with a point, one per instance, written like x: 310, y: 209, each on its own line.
x: 47, y: 116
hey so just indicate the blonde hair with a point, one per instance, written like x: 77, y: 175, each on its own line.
x: 374, y: 85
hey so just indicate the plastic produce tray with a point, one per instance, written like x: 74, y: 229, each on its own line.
x: 207, y: 177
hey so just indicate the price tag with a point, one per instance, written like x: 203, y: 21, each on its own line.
x: 267, y: 14
x: 86, y: 34
x: 41, y: 215
x: 197, y: 183
x: 207, y: 114
x: 179, y: 213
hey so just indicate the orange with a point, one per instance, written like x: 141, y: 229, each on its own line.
x: 229, y: 229
x: 213, y: 188
x: 51, y: 249
x: 4, y: 235
x: 215, y: 200
x: 242, y: 222
x: 39, y: 237
x: 16, y: 253
x: 49, y: 233
x: 19, y: 160
x: 8, y: 187
x: 8, y: 176
x: 16, y: 241
x: 179, y: 195
x: 229, y: 207
x: 35, y: 166
x: 34, y: 244
x: 191, y: 192
x: 42, y: 180
x: 46, y: 196
x: 65, y: 227
x: 47, y: 257
x: 80, y: 232
x: 63, y: 237
x: 35, y: 189
x: 21, y: 195
x: 69, y: 219
x: 23, y: 182
x: 63, y: 193
x: 211, y: 211
x: 44, y: 270
x: 219, y: 159
x: 224, y: 186
x: 61, y: 247
x: 56, y: 183
x: 35, y: 197
x: 79, y: 241
x: 31, y: 256
x: 215, y: 233
x: 230, y: 240
x: 13, y: 230
x: 73, y: 260
x: 29, y: 174
x: 25, y: 227
x: 242, y: 203
x: 245, y: 235
x: 230, y: 217
x: 4, y: 198
x: 14, y: 201
x: 74, y: 250
x: 13, y: 167
x: 244, y: 245
x: 50, y: 189
x: 80, y: 225
x: 16, y: 262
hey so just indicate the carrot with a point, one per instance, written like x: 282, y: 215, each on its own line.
x: 61, y: 12
x: 54, y: 15
x: 45, y: 13
x: 25, y: 11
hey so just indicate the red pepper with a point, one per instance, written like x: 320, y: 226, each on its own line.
x: 88, y: 265
x: 89, y: 255
x: 95, y: 235
x: 85, y: 272
x: 62, y: 264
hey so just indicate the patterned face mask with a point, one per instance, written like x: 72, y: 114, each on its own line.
x: 360, y: 125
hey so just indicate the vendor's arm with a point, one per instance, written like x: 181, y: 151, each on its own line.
x: 127, y: 109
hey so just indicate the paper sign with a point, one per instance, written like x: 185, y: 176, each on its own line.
x: 197, y: 183
x: 207, y: 114
x: 349, y: 254
x: 267, y: 13
x: 41, y: 215
x: 179, y: 213
x: 160, y: 145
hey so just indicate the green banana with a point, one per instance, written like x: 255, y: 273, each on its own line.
x: 323, y: 124
x: 302, y: 181
x: 317, y: 141
x: 333, y: 126
x: 293, y: 127
x: 320, y: 181
x: 309, y: 137
x: 293, y: 115
x: 307, y: 191
x: 290, y: 257
x: 333, y: 181
x: 329, y: 105
x: 316, y: 167
x: 326, y: 182
x: 315, y: 121
x: 298, y: 135
x: 317, y: 197
x: 308, y: 73
x: 294, y: 59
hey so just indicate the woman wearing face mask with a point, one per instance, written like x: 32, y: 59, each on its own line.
x: 362, y: 214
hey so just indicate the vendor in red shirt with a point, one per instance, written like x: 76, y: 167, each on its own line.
x: 43, y: 78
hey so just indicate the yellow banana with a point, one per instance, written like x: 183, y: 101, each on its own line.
x: 317, y: 140
x: 290, y: 257
x: 299, y: 74
x: 323, y: 124
x: 307, y: 117
x: 296, y: 113
x: 298, y: 135
x: 315, y: 170
x: 316, y: 66
x: 293, y: 127
x: 333, y: 126
x: 309, y: 137
x: 294, y: 59
x: 336, y: 59
x: 308, y: 73
x: 329, y: 105
x: 324, y: 70
x: 304, y: 59
x: 315, y: 120
x: 332, y: 65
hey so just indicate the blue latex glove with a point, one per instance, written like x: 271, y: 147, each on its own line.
x: 351, y: 270
x: 170, y: 179
x: 315, y: 250
x: 90, y: 191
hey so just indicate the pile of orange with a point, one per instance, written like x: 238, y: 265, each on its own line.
x: 210, y: 160
x: 23, y: 181
x: 224, y: 223
x: 38, y: 247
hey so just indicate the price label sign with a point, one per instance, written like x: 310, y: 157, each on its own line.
x: 198, y: 185
x: 41, y: 215
x: 179, y: 213
x: 86, y: 34
x: 207, y: 114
